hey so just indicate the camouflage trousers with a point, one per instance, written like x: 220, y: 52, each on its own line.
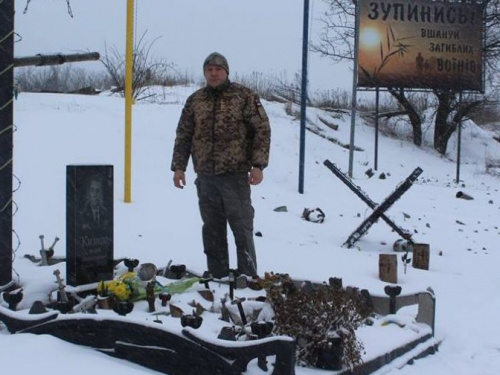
x: 225, y: 199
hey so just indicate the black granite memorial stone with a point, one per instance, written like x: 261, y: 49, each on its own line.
x: 89, y: 223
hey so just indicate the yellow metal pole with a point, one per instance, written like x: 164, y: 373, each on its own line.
x: 129, y: 51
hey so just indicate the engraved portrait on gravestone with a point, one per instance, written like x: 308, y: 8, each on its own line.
x: 94, y: 215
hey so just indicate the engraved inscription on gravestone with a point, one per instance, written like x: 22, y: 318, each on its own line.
x: 388, y: 268
x: 421, y: 254
x: 89, y: 223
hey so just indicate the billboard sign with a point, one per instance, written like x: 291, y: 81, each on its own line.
x: 420, y: 44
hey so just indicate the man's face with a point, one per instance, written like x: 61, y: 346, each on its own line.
x: 95, y: 191
x: 215, y: 75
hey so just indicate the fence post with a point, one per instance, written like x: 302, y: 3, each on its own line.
x: 6, y: 137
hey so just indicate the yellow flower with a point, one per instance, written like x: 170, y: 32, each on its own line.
x: 122, y: 291
x: 119, y: 288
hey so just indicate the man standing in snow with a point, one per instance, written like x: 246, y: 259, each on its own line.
x: 226, y: 130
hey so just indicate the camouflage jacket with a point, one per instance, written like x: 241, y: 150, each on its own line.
x: 224, y: 129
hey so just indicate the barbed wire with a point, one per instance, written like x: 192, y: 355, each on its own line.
x: 70, y: 11
x: 14, y: 252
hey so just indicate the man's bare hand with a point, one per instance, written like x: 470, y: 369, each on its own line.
x: 256, y: 176
x: 179, y: 179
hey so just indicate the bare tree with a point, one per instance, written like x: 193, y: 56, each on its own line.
x: 337, y: 38
x: 337, y: 42
x: 147, y: 70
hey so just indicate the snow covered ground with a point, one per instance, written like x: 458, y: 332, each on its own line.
x: 162, y: 223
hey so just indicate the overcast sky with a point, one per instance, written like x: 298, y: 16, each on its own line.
x: 259, y: 35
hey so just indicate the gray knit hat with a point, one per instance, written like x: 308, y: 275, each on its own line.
x: 215, y: 58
